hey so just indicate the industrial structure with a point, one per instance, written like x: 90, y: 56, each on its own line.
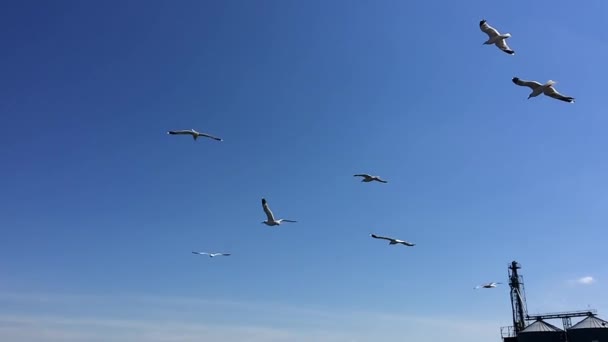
x: 535, y: 328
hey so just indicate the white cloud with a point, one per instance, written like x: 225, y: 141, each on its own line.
x: 586, y: 280
x: 53, y: 318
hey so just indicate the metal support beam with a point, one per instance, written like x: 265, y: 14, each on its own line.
x: 518, y: 301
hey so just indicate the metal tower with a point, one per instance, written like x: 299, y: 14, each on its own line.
x: 520, y: 311
x: 518, y: 298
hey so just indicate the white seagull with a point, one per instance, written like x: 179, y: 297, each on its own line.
x: 367, y: 178
x: 211, y: 255
x: 487, y: 286
x: 500, y: 40
x: 271, y: 221
x: 546, y: 89
x: 393, y: 241
x: 194, y: 134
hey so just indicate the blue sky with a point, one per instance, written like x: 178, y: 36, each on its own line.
x: 100, y: 208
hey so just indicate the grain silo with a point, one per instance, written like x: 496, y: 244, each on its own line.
x: 590, y: 329
x: 541, y: 331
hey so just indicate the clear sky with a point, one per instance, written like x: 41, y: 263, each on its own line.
x: 100, y: 208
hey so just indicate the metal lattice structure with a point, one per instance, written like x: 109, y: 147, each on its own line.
x: 518, y: 298
x: 520, y: 310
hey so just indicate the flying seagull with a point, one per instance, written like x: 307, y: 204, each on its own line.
x: 392, y: 241
x: 487, y: 286
x: 271, y: 221
x: 211, y: 255
x: 500, y: 40
x: 367, y: 178
x: 546, y: 89
x: 194, y: 134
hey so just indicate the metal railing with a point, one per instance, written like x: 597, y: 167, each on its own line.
x: 507, y: 331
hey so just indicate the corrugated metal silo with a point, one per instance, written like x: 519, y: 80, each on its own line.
x: 541, y: 331
x: 590, y: 329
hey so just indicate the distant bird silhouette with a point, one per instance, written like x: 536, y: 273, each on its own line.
x: 367, y: 178
x: 271, y: 221
x: 194, y: 134
x: 487, y: 286
x: 494, y: 37
x: 546, y: 89
x: 211, y: 255
x: 392, y: 241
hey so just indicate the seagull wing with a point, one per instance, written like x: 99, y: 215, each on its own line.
x: 365, y: 175
x: 183, y: 131
x: 381, y: 237
x: 379, y: 180
x: 487, y: 29
x: 292, y: 221
x: 219, y: 254
x: 502, y: 44
x: 201, y: 253
x: 525, y: 83
x: 210, y: 136
x: 551, y: 92
x: 267, y: 210
x: 406, y: 243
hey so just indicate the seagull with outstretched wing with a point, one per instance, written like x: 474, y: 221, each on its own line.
x: 368, y: 178
x: 194, y: 134
x: 538, y: 89
x: 211, y: 255
x: 487, y: 286
x: 271, y: 221
x: 392, y: 241
x: 494, y: 37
